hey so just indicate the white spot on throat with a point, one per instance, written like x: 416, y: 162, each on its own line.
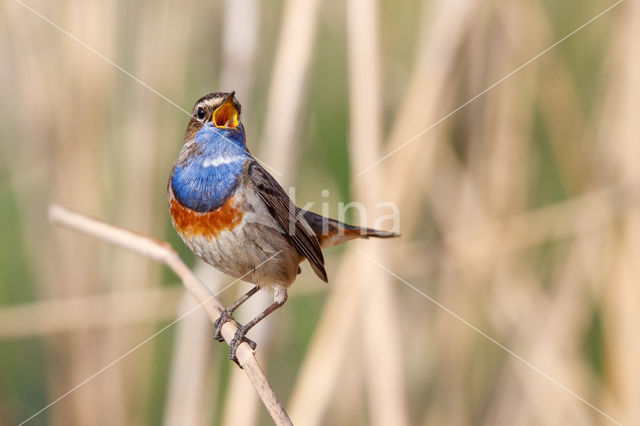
x: 220, y: 160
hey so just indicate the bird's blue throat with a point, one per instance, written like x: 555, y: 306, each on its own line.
x: 209, y: 177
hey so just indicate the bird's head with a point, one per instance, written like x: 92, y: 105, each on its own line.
x: 219, y: 112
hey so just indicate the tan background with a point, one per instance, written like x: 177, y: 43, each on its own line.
x: 519, y: 212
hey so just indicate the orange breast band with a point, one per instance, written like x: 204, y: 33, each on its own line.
x: 192, y: 223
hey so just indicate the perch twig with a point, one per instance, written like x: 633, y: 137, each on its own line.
x: 163, y: 252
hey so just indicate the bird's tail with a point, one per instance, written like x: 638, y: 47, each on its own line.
x: 331, y: 232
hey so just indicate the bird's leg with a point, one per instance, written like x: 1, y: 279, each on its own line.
x: 226, y: 313
x: 279, y: 298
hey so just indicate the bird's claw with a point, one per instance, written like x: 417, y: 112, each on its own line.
x: 238, y: 338
x: 236, y: 341
x: 224, y: 317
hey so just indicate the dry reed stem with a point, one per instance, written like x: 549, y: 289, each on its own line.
x: 320, y: 369
x: 190, y: 361
x: 76, y: 173
x: 287, y: 86
x: 61, y: 315
x: 564, y: 316
x: 319, y: 373
x: 619, y: 145
x: 186, y: 386
x: 239, y: 48
x: 426, y: 93
x: 383, y: 362
x: 464, y: 202
x: 163, y: 252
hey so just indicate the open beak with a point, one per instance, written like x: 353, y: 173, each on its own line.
x: 226, y: 115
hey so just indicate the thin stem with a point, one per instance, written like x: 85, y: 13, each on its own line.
x: 163, y: 252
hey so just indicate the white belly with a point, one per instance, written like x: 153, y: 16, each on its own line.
x: 251, y: 252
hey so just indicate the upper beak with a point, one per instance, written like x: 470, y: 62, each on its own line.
x: 226, y: 115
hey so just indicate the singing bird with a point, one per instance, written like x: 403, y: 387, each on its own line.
x: 235, y: 216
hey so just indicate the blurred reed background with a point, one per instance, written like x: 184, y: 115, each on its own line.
x: 519, y: 212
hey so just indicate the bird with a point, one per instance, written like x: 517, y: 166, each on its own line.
x: 235, y: 216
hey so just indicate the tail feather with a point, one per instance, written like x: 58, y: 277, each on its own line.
x: 331, y: 232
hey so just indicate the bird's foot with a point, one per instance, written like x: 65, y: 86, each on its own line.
x: 224, y: 317
x: 236, y: 341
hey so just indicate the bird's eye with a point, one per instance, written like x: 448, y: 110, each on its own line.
x: 200, y: 114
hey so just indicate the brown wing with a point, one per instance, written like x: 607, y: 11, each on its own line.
x: 289, y: 217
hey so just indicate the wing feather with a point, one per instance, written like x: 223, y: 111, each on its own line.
x: 288, y: 216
